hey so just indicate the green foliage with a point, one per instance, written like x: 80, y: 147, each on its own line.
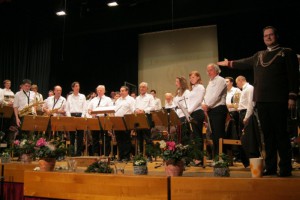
x: 221, y: 161
x: 139, y: 160
x: 25, y: 145
x: 99, y: 167
x: 172, y: 152
x: 54, y: 148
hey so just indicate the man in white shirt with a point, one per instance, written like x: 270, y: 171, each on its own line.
x: 144, y: 104
x: 98, y: 103
x: 23, y: 98
x: 55, y: 105
x: 75, y: 107
x: 214, y: 104
x: 6, y: 95
x: 124, y: 105
x: 157, y: 101
x: 247, y: 125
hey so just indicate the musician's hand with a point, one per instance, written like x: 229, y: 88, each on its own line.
x: 291, y: 104
x: 139, y: 111
x: 245, y: 121
x: 18, y: 122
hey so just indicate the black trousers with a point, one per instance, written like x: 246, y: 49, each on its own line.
x: 273, y: 120
x: 197, y: 125
x: 79, y: 138
x: 217, y: 119
x: 124, y: 144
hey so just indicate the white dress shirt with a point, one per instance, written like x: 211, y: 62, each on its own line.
x: 6, y: 96
x: 229, y: 97
x: 144, y: 102
x: 215, y: 92
x: 54, y: 103
x: 183, y: 101
x: 23, y: 99
x: 97, y: 102
x: 246, y: 100
x: 76, y: 104
x: 157, y: 103
x: 195, y: 98
x: 124, y: 106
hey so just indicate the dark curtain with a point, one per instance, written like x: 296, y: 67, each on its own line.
x: 25, y: 51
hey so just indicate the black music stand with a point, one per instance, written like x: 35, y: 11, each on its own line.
x: 5, y: 112
x: 105, y: 123
x: 35, y: 123
x: 118, y: 124
x: 166, y: 117
x: 86, y: 124
x: 136, y: 122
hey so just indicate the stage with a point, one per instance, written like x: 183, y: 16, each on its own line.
x: 196, y: 183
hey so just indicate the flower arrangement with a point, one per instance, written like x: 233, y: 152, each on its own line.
x: 50, y: 149
x: 5, y: 157
x: 99, y: 167
x: 139, y: 160
x: 24, y: 146
x: 172, y: 153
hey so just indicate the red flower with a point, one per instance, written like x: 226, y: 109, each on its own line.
x: 41, y: 142
x: 171, y: 145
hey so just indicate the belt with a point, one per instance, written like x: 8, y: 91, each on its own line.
x: 76, y: 114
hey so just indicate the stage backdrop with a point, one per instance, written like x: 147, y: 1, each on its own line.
x: 165, y: 55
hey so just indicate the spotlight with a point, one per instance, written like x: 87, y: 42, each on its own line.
x: 112, y: 3
x: 61, y: 13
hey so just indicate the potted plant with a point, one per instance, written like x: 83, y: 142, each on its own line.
x: 221, y: 165
x: 99, y: 167
x: 24, y: 148
x: 140, y: 165
x: 174, y: 156
x: 49, y: 151
x: 5, y: 157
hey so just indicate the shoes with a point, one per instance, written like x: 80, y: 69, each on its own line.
x: 268, y: 172
x: 284, y: 174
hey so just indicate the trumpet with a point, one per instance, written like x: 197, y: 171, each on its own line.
x: 28, y: 109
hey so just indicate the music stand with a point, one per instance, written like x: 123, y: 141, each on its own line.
x: 35, y: 123
x: 5, y: 112
x: 136, y: 122
x: 62, y: 123
x: 86, y: 124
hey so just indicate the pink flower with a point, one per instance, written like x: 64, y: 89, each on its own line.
x: 41, y: 142
x: 17, y: 142
x: 171, y: 145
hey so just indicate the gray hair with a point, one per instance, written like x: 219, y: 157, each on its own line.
x: 216, y: 67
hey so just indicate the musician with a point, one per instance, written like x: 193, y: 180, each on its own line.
x: 144, y: 104
x: 38, y: 98
x: 157, y: 101
x: 55, y: 105
x: 24, y: 98
x: 75, y: 107
x: 195, y: 110
x: 6, y: 95
x: 245, y: 107
x: 124, y: 105
x: 7, y: 99
x: 181, y: 96
x: 169, y: 100
x: 214, y: 104
x: 97, y: 102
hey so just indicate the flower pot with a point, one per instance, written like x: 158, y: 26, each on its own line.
x: 26, y: 158
x: 47, y: 164
x: 221, y: 171
x: 140, y: 170
x: 174, y: 169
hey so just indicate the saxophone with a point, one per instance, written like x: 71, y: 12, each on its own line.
x: 55, y: 110
x: 27, y: 110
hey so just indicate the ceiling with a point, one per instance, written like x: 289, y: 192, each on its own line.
x: 90, y: 16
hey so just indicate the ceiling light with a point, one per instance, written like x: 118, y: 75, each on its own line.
x: 112, y: 3
x: 61, y: 13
